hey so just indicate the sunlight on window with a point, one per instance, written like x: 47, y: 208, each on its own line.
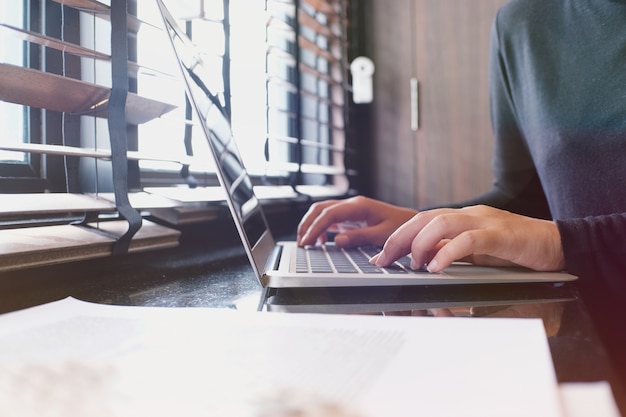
x: 157, y: 79
x: 13, y: 131
x: 165, y: 136
x: 248, y: 80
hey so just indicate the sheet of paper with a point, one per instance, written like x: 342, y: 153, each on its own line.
x: 72, y: 358
x: 584, y: 399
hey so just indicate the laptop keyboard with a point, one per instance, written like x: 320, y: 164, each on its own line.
x: 332, y: 259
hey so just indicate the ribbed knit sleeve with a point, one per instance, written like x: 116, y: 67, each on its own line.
x: 595, y: 250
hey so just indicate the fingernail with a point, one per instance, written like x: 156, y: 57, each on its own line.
x: 413, y: 264
x: 432, y: 266
x: 380, y: 259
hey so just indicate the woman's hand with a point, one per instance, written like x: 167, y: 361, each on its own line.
x: 477, y: 234
x: 380, y: 220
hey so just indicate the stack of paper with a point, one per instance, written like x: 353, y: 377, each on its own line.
x: 72, y: 358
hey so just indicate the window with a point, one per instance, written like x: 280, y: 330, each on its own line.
x: 16, y: 119
x: 56, y: 71
x: 13, y: 53
x: 305, y: 59
x: 280, y: 70
x: 175, y: 137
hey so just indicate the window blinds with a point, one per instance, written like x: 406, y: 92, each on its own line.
x: 61, y: 87
x: 62, y: 81
x: 306, y: 86
x: 306, y: 89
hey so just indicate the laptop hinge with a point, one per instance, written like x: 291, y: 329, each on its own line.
x: 274, y: 259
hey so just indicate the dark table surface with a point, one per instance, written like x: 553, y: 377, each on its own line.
x: 192, y: 276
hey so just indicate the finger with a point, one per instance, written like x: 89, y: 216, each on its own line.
x: 312, y: 213
x: 444, y: 226
x: 325, y: 216
x: 441, y: 312
x: 419, y: 313
x: 467, y: 244
x: 311, y: 216
x: 480, y: 311
x: 370, y: 235
x: 399, y: 243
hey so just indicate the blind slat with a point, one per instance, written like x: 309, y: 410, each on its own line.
x: 28, y: 204
x: 91, y: 6
x: 47, y: 245
x: 68, y: 47
x: 330, y: 78
x: 310, y: 21
x: 305, y: 168
x: 308, y: 143
x: 90, y: 153
x: 103, y: 11
x: 50, y: 42
x: 40, y: 89
x: 307, y: 44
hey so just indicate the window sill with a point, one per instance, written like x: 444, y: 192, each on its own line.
x: 41, y: 244
x: 204, y: 203
x: 48, y: 245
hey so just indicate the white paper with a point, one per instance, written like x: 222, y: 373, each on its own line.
x: 72, y: 358
x: 588, y: 399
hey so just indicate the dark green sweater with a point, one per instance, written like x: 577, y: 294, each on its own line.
x: 558, y: 107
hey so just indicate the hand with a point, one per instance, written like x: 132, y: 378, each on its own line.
x: 478, y: 234
x: 380, y: 219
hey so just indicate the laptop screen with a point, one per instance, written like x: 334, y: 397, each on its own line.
x: 243, y: 203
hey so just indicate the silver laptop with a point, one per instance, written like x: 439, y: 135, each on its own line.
x: 283, y: 264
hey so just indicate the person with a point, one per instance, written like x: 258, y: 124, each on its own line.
x: 557, y: 80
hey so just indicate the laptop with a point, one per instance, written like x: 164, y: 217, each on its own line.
x: 474, y: 300
x: 284, y: 264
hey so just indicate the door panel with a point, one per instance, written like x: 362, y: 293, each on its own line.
x: 394, y: 144
x: 454, y: 142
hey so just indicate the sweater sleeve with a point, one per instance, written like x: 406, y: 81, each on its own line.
x: 595, y: 250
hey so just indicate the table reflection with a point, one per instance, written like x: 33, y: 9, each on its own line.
x: 551, y: 312
x: 569, y: 330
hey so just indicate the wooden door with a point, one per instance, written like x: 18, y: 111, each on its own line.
x: 454, y: 141
x: 393, y: 141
